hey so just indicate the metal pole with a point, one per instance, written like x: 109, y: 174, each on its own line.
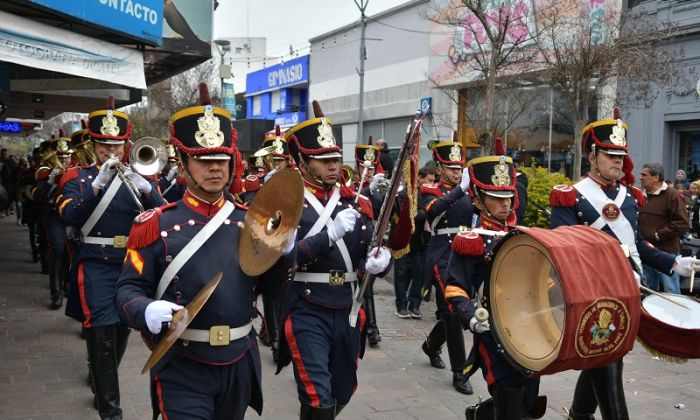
x: 363, y: 55
x: 505, y: 137
x: 222, y: 77
x: 551, y: 112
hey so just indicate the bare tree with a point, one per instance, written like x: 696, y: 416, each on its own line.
x: 491, y: 33
x: 584, y: 48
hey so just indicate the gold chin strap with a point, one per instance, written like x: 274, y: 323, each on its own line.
x: 315, y: 178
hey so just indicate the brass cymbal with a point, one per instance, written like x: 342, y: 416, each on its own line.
x: 270, y: 222
x: 181, y: 319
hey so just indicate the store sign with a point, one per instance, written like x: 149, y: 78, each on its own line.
x: 291, y: 73
x: 140, y: 19
x: 33, y: 44
x: 292, y: 118
x: 229, y: 99
x: 10, y: 127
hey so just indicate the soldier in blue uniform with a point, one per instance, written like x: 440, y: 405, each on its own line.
x: 447, y: 207
x: 40, y: 198
x: 333, y: 242
x: 97, y: 202
x: 200, y: 377
x: 607, y: 201
x: 280, y: 156
x: 55, y: 228
x: 172, y: 185
x: 493, y: 186
x: 373, y: 186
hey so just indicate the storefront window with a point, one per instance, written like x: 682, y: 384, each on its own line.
x: 689, y: 153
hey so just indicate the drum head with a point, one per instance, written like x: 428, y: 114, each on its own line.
x: 526, y: 302
x: 671, y: 314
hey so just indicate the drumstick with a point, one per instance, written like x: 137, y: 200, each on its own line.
x: 692, y: 280
x: 654, y: 292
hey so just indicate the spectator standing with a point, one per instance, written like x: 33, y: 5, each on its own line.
x: 693, y: 204
x: 662, y: 222
x: 408, y: 270
x: 385, y: 159
x: 8, y: 167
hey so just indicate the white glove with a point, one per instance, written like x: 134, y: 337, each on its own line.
x: 479, y: 326
x: 269, y: 175
x: 52, y: 176
x: 344, y: 222
x: 172, y: 173
x: 464, y: 184
x: 106, y: 173
x: 379, y: 184
x: 377, y: 264
x: 158, y: 312
x: 290, y: 247
x: 139, y: 182
x: 684, y: 266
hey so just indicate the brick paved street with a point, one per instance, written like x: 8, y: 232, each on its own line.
x: 43, y: 369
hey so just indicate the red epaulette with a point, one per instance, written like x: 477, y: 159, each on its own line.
x: 42, y: 174
x: 562, y: 196
x: 365, y: 207
x: 146, y: 227
x: 638, y: 196
x: 242, y: 206
x: 181, y: 180
x: 468, y: 243
x: 432, y: 189
x: 251, y: 183
x: 68, y: 175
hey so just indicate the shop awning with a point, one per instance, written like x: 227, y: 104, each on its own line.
x: 33, y: 44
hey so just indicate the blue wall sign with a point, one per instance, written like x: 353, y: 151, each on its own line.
x: 292, y: 118
x: 426, y: 105
x: 293, y: 72
x: 10, y: 127
x: 140, y: 19
x: 229, y: 99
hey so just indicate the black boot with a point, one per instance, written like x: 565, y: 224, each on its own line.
x: 584, y: 404
x: 270, y: 313
x: 122, y: 342
x: 481, y: 411
x: 104, y: 367
x: 308, y: 412
x: 339, y: 408
x: 373, y: 335
x: 56, y: 279
x: 431, y: 345
x: 85, y: 333
x: 455, y: 349
x: 507, y: 403
x: 607, y: 386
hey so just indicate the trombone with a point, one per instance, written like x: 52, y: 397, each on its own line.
x: 148, y: 156
x: 266, y: 153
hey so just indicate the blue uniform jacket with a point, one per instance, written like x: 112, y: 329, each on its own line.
x: 569, y: 208
x: 232, y: 302
x: 456, y: 209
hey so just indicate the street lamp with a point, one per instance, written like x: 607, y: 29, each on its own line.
x: 223, y: 46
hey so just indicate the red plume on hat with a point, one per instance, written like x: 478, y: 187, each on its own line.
x: 498, y: 148
x: 278, y: 131
x: 204, y: 97
x: 318, y: 112
x: 83, y: 124
x: 110, y: 102
x: 61, y: 133
x: 369, y: 141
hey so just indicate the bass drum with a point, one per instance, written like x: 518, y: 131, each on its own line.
x: 561, y: 299
x: 671, y: 332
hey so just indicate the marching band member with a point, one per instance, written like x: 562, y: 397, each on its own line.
x: 99, y: 204
x: 604, y: 200
x: 213, y: 371
x: 493, y: 187
x: 333, y: 238
x: 172, y: 185
x: 447, y: 207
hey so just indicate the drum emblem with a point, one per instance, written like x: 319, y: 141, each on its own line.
x: 611, y: 212
x: 602, y: 328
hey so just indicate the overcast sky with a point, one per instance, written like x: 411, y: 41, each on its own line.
x: 288, y: 22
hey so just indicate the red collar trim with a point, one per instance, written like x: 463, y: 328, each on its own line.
x: 446, y: 184
x: 317, y: 191
x: 491, y: 224
x: 610, y: 186
x: 202, y: 206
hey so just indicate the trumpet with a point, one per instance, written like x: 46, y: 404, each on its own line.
x: 84, y: 153
x: 148, y: 156
x: 348, y: 174
x: 266, y: 154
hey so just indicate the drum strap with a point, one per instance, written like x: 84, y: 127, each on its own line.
x: 621, y: 227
